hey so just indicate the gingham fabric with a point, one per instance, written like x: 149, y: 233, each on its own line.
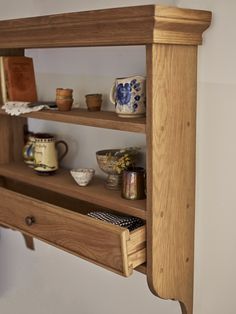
x: 128, y: 222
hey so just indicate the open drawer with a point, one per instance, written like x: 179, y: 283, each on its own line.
x: 102, y: 243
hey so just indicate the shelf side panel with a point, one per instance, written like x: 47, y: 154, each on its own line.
x: 12, y: 138
x: 171, y: 133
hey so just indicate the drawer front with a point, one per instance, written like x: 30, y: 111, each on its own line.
x: 110, y: 246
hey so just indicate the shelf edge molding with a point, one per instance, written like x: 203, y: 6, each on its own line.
x: 100, y: 119
x: 145, y: 24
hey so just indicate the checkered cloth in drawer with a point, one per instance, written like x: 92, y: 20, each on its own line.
x: 128, y: 222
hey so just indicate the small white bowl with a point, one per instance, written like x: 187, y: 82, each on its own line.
x: 82, y: 176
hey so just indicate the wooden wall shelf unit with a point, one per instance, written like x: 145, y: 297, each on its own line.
x: 32, y: 204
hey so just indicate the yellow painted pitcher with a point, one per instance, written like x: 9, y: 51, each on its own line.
x: 45, y: 154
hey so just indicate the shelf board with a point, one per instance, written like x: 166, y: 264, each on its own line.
x: 62, y: 182
x: 100, y: 119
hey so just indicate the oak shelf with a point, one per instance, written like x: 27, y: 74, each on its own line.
x: 146, y: 24
x: 166, y: 244
x: 100, y: 119
x: 63, y: 183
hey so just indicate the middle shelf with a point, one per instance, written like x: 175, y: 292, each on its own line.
x: 63, y: 183
x: 100, y: 119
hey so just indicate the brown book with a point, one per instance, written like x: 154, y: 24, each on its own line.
x: 1, y: 96
x: 19, y: 79
x: 2, y: 82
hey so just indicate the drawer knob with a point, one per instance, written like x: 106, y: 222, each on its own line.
x: 29, y: 220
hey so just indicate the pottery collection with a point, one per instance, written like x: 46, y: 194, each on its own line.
x: 129, y: 96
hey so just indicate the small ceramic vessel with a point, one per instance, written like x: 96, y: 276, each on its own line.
x: 128, y: 94
x: 94, y: 102
x: 82, y: 176
x: 64, y: 99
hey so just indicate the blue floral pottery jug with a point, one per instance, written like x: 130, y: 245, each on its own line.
x: 129, y: 96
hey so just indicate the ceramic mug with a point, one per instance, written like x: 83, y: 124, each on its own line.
x: 129, y: 96
x: 45, y: 153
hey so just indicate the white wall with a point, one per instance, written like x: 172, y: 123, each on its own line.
x: 50, y: 281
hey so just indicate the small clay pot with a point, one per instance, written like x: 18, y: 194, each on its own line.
x: 64, y: 104
x: 94, y: 102
x: 64, y: 92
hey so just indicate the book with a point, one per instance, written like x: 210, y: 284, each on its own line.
x: 17, y: 79
x: 3, y: 94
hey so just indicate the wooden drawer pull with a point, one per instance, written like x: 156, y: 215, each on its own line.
x: 29, y: 220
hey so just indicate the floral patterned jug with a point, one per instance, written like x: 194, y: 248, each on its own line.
x: 129, y: 96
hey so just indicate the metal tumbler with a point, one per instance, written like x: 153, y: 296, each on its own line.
x: 133, y: 183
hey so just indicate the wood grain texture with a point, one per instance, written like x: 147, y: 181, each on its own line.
x: 142, y: 268
x: 6, y: 140
x: 172, y: 73
x: 18, y: 126
x: 94, y: 240
x: 146, y: 24
x: 63, y: 182
x: 12, y: 138
x: 100, y: 119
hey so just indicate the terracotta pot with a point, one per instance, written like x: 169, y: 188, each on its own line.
x: 94, y: 102
x: 64, y: 104
x: 64, y: 92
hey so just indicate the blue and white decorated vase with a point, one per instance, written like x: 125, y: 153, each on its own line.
x: 129, y: 96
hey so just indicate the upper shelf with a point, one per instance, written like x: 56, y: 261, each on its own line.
x: 100, y: 119
x: 139, y: 25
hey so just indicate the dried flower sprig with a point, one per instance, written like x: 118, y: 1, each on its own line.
x: 124, y: 162
x: 126, y: 158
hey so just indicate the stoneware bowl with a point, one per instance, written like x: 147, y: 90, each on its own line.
x: 82, y: 176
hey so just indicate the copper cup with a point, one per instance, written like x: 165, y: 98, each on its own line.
x: 134, y: 183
